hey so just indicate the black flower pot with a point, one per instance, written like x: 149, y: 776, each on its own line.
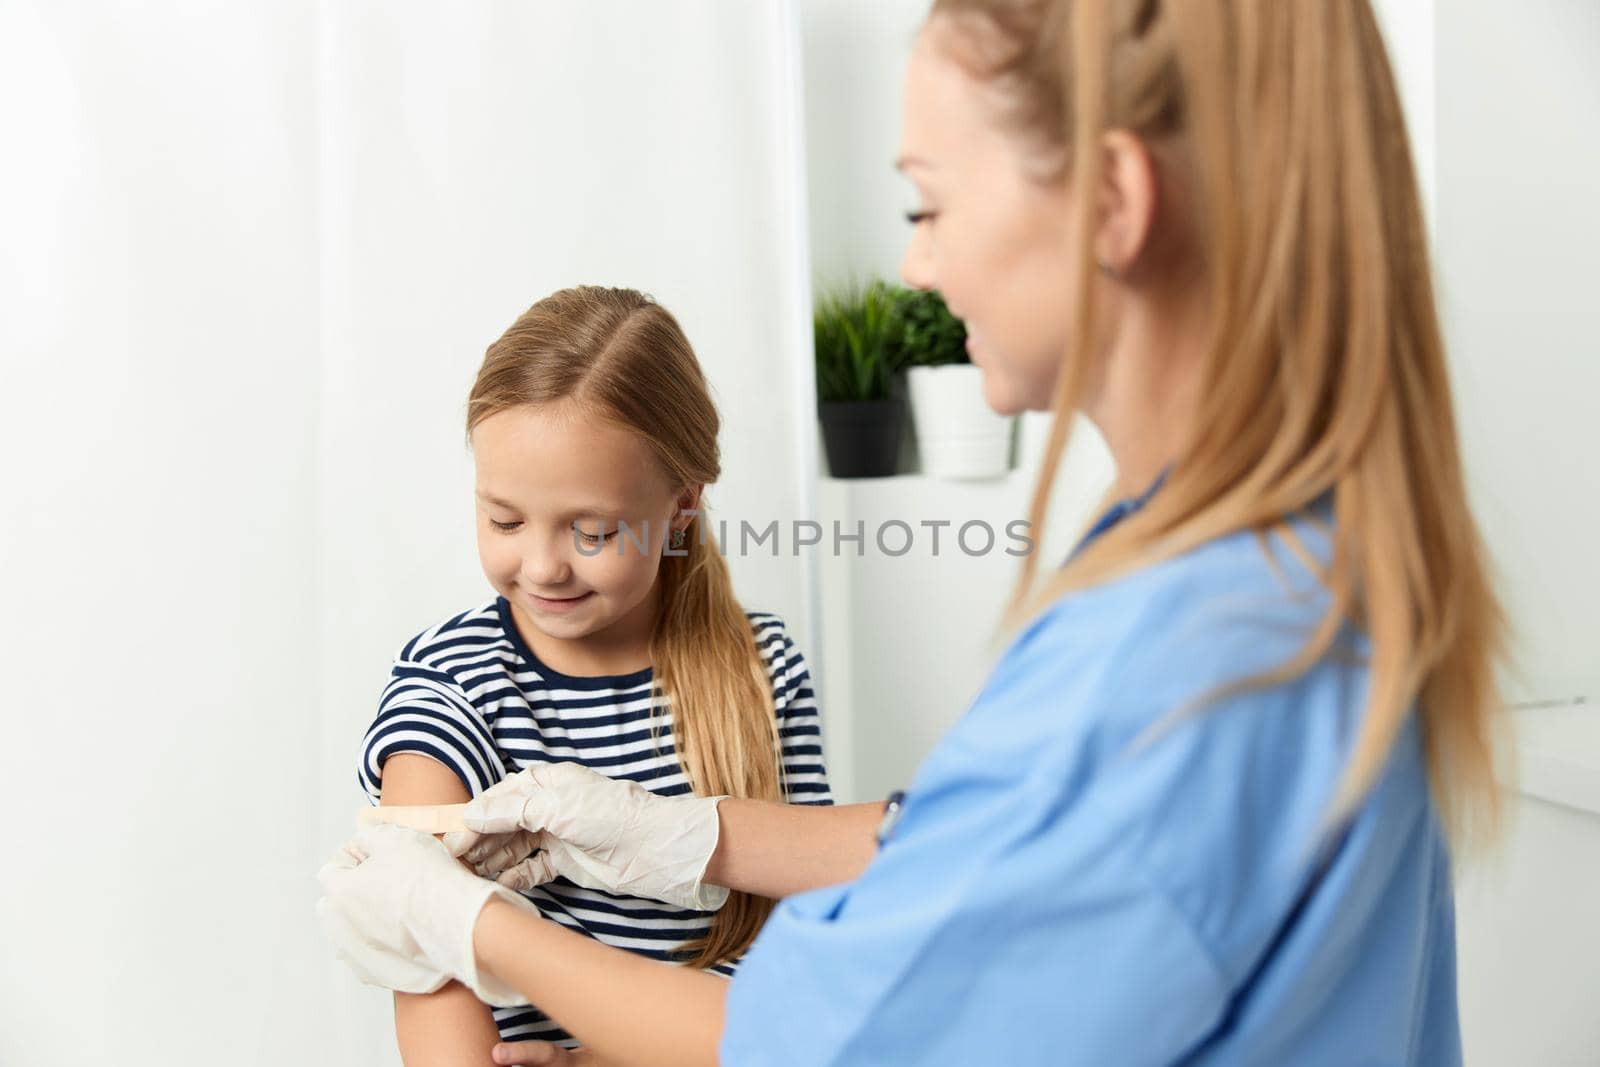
x: 862, y: 437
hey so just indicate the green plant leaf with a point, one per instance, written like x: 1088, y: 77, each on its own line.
x: 864, y: 335
x: 857, y: 336
x: 931, y: 335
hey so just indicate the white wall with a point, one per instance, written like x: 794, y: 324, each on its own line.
x: 253, y: 254
x: 1408, y: 26
x: 1529, y: 941
x: 855, y: 55
x: 1518, y: 164
x: 1519, y: 222
x: 922, y: 626
x: 1529, y: 916
x: 157, y: 471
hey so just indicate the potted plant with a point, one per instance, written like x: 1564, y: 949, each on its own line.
x: 857, y: 338
x: 958, y: 435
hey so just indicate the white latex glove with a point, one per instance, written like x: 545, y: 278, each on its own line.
x: 400, y: 911
x: 598, y: 832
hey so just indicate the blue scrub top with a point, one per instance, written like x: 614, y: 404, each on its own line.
x: 1066, y: 886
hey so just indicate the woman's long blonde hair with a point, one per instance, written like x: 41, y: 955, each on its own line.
x: 622, y: 357
x: 1324, y: 370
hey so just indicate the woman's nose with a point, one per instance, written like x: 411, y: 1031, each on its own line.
x: 916, y: 266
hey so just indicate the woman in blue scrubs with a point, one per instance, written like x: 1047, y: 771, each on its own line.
x: 1200, y: 811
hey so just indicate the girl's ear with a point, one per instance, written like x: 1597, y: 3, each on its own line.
x: 688, y: 500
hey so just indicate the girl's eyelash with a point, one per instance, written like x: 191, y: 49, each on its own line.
x: 593, y: 539
x: 919, y: 216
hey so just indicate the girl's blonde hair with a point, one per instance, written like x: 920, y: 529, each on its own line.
x: 1324, y: 370
x: 622, y: 357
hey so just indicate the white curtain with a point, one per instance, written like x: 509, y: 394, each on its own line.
x: 250, y: 256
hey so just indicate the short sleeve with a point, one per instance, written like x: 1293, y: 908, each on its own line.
x: 805, y: 777
x: 425, y: 711
x: 1006, y: 893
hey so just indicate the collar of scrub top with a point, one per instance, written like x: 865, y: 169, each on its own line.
x: 896, y: 803
x: 1119, y: 511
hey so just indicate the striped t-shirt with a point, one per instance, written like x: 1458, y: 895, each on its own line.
x: 471, y: 694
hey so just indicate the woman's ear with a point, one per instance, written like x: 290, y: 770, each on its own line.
x: 1129, y: 189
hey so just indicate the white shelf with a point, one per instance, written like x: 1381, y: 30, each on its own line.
x: 1557, y: 754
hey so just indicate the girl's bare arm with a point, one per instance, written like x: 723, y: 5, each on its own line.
x: 450, y: 1027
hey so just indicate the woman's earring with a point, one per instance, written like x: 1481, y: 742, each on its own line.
x: 679, y: 537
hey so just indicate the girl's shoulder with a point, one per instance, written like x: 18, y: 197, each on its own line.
x: 477, y: 627
x: 778, y: 651
x: 766, y: 624
x: 772, y: 635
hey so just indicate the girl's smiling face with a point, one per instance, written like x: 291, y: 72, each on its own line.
x: 555, y: 485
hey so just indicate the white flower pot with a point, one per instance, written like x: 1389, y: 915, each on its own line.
x: 958, y: 434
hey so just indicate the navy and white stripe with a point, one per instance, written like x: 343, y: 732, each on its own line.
x: 472, y: 695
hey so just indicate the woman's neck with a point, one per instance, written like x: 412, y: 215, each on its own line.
x: 1146, y: 399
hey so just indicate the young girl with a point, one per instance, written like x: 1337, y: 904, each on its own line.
x: 615, y: 640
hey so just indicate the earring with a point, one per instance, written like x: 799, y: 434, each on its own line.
x: 679, y: 537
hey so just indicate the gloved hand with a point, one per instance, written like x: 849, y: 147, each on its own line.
x: 400, y: 911
x: 598, y: 832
